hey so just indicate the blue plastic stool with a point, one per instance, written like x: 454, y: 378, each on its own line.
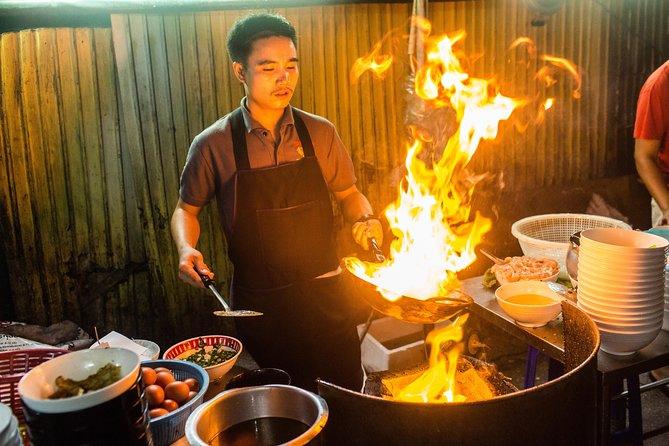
x: 555, y: 368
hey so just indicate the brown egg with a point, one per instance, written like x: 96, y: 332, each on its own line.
x: 148, y: 376
x: 192, y: 384
x: 169, y: 405
x: 164, y: 378
x: 177, y: 391
x: 157, y: 412
x: 155, y: 395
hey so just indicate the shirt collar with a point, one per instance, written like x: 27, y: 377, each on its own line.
x: 252, y: 124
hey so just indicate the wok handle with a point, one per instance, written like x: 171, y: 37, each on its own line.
x: 378, y: 254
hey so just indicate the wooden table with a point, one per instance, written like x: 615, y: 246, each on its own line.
x: 612, y: 370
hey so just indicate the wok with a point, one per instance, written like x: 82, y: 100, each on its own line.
x: 408, y: 309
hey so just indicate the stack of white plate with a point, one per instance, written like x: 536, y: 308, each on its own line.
x: 621, y: 285
x: 9, y: 427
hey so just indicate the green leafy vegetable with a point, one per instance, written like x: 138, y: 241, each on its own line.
x: 489, y: 279
x: 208, y: 355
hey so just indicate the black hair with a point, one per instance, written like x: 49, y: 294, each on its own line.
x: 253, y: 27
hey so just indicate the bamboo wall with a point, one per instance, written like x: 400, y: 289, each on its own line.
x: 96, y: 124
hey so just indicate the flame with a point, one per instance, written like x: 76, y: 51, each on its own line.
x: 375, y: 61
x: 570, y: 67
x: 527, y: 42
x: 435, y: 235
x: 434, y: 231
x: 437, y: 384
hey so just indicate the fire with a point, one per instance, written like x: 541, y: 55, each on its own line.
x: 435, y: 235
x: 374, y: 61
x: 569, y: 67
x: 437, y: 384
x: 434, y: 231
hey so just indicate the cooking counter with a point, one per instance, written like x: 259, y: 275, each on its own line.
x: 611, y: 370
x: 548, y: 339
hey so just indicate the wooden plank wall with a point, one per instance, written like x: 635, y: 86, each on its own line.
x: 69, y: 222
x: 96, y: 124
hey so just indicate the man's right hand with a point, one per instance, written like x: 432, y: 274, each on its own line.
x: 191, y: 259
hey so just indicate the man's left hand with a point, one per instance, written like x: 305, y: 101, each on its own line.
x: 363, y: 231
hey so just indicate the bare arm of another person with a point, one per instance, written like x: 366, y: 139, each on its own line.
x: 186, y: 232
x: 355, y: 207
x: 645, y: 157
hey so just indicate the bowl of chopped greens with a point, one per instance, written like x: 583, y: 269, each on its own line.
x: 79, y: 380
x: 215, y: 353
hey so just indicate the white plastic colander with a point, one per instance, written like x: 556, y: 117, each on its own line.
x: 548, y: 235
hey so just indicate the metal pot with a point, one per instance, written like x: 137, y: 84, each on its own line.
x: 258, y: 408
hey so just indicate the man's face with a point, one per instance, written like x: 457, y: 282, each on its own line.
x: 271, y: 72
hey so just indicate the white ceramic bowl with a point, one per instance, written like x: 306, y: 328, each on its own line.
x: 623, y: 259
x: 627, y: 328
x: 610, y: 292
x: 618, y: 240
x: 152, y: 349
x: 607, y: 316
x: 619, y: 265
x: 186, y: 348
x: 613, y: 311
x: 624, y: 307
x: 596, y: 294
x: 529, y: 315
x: 603, y: 295
x: 622, y: 344
x: 607, y: 272
x: 617, y: 324
x: 39, y: 383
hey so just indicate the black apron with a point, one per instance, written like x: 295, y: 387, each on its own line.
x: 280, y: 240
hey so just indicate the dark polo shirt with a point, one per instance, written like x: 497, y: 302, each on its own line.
x: 210, y: 165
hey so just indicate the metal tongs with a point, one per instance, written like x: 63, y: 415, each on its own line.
x: 227, y: 312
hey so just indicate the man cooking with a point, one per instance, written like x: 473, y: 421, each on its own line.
x: 271, y: 168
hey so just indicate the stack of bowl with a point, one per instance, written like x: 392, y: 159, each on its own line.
x: 665, y: 324
x: 621, y: 286
x: 9, y: 427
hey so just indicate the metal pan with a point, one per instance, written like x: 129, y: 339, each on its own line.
x: 412, y: 310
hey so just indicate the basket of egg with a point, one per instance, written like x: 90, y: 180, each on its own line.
x: 174, y: 389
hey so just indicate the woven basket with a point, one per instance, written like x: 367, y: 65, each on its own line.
x: 548, y: 235
x: 169, y: 428
x: 13, y: 365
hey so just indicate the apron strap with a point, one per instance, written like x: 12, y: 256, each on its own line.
x: 303, y: 133
x: 239, y: 140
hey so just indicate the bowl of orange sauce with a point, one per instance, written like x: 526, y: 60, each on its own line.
x: 530, y: 303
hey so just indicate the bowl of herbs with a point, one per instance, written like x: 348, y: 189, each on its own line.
x: 215, y: 353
